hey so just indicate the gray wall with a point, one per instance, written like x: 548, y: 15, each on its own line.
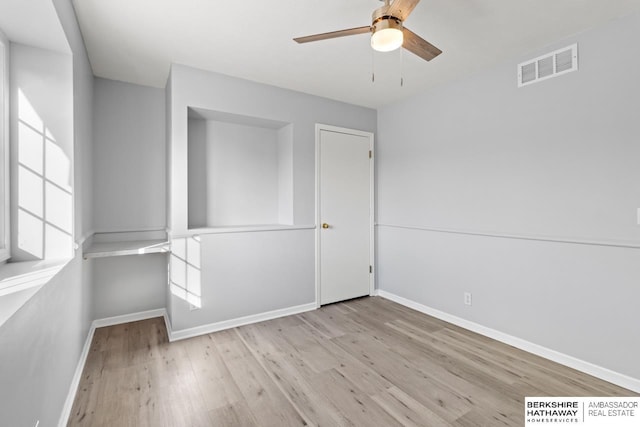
x: 129, y: 162
x: 42, y: 152
x: 229, y: 95
x: 258, y: 286
x: 129, y: 157
x: 239, y: 173
x: 128, y: 284
x: 41, y: 343
x: 242, y: 174
x: 555, y: 159
x: 83, y: 119
x: 243, y: 274
x: 233, y: 172
x: 83, y: 129
x: 197, y: 173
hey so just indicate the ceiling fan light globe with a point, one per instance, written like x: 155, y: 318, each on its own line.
x: 387, y: 34
x: 387, y: 39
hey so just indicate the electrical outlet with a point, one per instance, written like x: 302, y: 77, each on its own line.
x: 467, y: 298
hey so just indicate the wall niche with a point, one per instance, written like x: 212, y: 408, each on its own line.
x: 240, y: 170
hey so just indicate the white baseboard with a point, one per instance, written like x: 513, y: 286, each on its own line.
x: 240, y: 321
x: 75, y: 382
x: 167, y: 324
x: 553, y: 355
x: 126, y: 318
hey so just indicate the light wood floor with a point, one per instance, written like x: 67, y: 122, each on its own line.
x: 366, y: 362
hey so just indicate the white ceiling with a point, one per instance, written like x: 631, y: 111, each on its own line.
x: 33, y: 23
x: 136, y: 40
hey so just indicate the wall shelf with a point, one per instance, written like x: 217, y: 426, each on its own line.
x: 247, y: 229
x: 138, y: 247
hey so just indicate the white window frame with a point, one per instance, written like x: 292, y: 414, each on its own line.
x: 5, y: 249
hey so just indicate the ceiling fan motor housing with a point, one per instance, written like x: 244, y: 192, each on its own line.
x: 385, y: 22
x: 381, y: 13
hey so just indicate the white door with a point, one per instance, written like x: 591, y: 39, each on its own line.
x: 345, y: 213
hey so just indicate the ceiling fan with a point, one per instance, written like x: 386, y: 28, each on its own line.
x: 387, y: 31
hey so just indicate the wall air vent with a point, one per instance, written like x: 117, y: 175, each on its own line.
x: 549, y: 65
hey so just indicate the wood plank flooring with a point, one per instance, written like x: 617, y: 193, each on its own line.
x: 365, y: 362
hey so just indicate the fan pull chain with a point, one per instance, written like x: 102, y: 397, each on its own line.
x: 401, y: 67
x: 373, y: 66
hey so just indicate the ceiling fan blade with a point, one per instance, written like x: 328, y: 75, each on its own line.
x: 416, y: 44
x: 402, y: 8
x: 333, y: 34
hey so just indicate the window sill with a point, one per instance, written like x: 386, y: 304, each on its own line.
x: 19, y: 281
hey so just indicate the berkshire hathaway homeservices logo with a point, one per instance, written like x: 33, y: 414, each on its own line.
x: 582, y: 411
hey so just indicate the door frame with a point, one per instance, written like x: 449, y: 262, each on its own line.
x: 319, y: 128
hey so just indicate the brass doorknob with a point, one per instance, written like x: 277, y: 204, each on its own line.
x: 325, y: 225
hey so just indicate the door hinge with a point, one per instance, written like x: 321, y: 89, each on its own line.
x: 370, y: 153
x: 370, y: 269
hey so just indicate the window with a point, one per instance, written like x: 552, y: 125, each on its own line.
x: 4, y: 148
